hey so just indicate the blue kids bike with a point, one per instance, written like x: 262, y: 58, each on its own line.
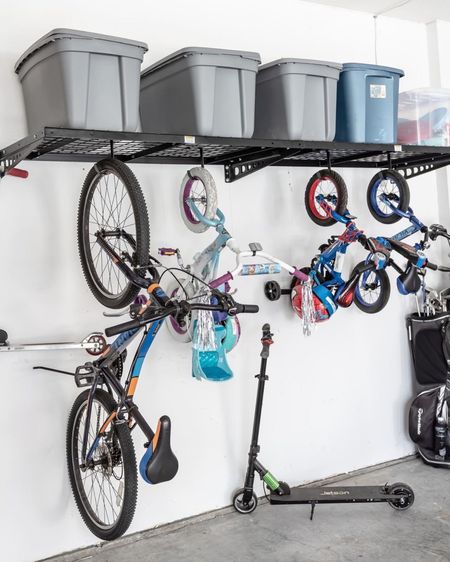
x: 330, y: 290
x: 368, y: 286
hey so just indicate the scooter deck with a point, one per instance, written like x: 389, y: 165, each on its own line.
x: 334, y: 494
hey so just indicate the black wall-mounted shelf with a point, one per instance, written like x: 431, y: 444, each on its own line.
x: 240, y: 157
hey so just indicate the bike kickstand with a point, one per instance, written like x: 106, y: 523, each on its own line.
x: 313, y: 507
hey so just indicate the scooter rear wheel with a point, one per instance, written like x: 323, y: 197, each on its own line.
x: 404, y: 502
x: 240, y: 506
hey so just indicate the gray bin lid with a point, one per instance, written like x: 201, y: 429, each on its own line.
x: 63, y: 33
x: 190, y: 51
x: 334, y: 65
x: 372, y: 68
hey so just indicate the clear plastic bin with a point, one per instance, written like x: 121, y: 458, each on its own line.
x: 424, y: 117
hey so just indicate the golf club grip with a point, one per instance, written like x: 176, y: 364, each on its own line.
x: 124, y: 327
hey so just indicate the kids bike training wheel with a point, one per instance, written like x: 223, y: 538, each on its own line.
x: 105, y: 490
x: 181, y: 289
x: 198, y: 186
x: 372, y: 291
x: 407, y: 496
x: 112, y: 205
x: 331, y: 185
x: 394, y: 187
x: 242, y: 507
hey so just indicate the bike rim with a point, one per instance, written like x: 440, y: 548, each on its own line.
x: 102, y: 488
x: 196, y: 192
x: 385, y: 186
x: 322, y: 186
x: 368, y: 295
x: 108, y: 208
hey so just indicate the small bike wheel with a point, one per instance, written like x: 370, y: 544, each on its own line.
x: 272, y: 290
x: 407, y: 496
x: 332, y: 186
x: 180, y: 289
x: 199, y: 188
x: 372, y: 291
x: 105, y: 490
x: 242, y: 507
x: 112, y: 205
x: 392, y: 185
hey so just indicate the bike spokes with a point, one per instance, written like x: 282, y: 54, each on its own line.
x: 101, y: 483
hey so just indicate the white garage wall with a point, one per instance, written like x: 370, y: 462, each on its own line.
x: 335, y: 402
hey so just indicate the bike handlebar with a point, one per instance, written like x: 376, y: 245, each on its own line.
x: 184, y: 308
x: 18, y: 173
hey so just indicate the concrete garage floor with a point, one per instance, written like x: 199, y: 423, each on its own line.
x: 368, y: 533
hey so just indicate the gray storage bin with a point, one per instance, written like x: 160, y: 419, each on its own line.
x: 81, y: 80
x: 200, y: 91
x: 296, y: 100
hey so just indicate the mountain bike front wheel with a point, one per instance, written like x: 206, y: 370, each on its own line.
x: 105, y: 491
x: 112, y: 206
x: 372, y: 291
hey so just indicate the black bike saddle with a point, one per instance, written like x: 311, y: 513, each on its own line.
x: 159, y: 464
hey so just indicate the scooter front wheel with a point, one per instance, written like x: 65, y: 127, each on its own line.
x: 242, y: 507
x: 372, y: 291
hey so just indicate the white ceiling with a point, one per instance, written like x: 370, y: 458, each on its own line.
x: 422, y: 11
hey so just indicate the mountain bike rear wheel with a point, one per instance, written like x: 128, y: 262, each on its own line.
x: 112, y: 205
x: 105, y: 491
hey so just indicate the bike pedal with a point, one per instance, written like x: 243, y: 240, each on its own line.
x: 167, y: 251
x: 84, y: 376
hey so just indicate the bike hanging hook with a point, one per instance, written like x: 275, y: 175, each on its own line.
x: 328, y: 160
x: 111, y: 148
x: 202, y: 157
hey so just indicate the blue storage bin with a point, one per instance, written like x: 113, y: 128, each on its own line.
x: 367, y: 103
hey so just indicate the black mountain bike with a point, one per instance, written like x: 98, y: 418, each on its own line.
x: 100, y: 452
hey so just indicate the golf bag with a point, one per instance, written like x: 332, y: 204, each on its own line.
x: 429, y: 339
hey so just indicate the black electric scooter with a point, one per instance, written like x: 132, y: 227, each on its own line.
x: 399, y: 496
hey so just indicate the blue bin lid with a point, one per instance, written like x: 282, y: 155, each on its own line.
x: 372, y: 68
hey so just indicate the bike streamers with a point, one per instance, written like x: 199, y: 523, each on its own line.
x: 308, y: 309
x: 204, y: 334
